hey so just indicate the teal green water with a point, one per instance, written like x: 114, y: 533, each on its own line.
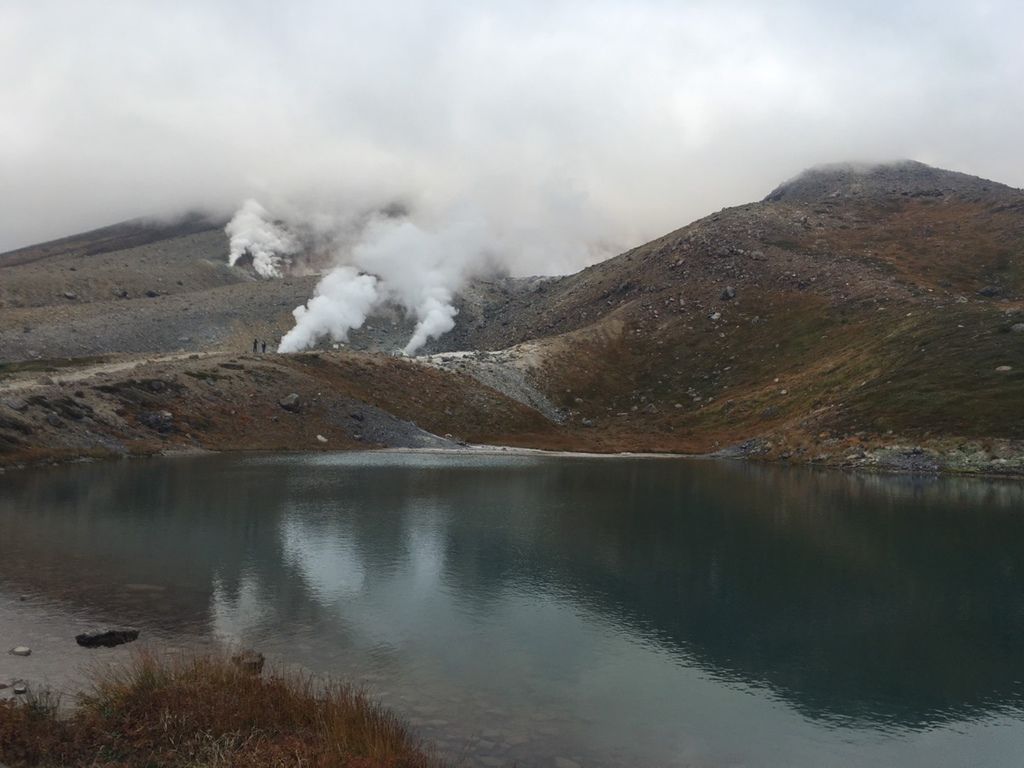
x: 523, y: 609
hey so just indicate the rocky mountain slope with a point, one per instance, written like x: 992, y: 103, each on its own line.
x: 856, y: 315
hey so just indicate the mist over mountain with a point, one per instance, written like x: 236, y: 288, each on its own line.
x: 569, y: 152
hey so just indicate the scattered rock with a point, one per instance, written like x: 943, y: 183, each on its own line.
x: 588, y: 422
x: 250, y: 661
x: 1017, y: 327
x: 291, y: 402
x: 106, y: 638
x: 160, y: 421
x: 16, y: 425
x: 1004, y: 369
x: 321, y: 439
x: 716, y: 316
x: 151, y: 294
x: 20, y: 689
x: 70, y: 295
x: 53, y: 420
x: 72, y: 411
x: 19, y: 405
x: 21, y: 650
x: 729, y: 293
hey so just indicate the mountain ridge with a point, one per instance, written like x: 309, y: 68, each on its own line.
x: 852, y: 310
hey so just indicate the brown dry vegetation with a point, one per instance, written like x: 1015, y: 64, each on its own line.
x: 874, y: 315
x: 205, y: 712
x: 228, y: 402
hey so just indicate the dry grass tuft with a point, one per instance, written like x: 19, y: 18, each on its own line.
x: 206, y: 711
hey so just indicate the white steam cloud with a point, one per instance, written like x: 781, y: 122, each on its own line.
x: 389, y: 261
x: 253, y: 233
x: 422, y: 271
x: 343, y: 300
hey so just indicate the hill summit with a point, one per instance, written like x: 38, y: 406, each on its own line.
x: 903, y: 178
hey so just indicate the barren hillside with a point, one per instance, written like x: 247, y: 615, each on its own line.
x: 857, y: 315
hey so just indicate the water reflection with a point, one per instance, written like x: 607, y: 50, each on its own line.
x: 626, y: 597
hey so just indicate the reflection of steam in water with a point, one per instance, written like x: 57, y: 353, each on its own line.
x: 325, y: 555
x: 238, y: 614
x: 835, y: 604
x: 425, y: 547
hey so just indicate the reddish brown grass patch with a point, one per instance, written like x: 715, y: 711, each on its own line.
x: 204, y: 711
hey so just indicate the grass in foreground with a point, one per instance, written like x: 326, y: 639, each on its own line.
x: 205, y: 711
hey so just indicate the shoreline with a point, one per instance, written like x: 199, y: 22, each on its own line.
x: 219, y: 402
x: 1013, y: 475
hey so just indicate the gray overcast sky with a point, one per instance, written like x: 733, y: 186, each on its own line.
x: 615, y: 121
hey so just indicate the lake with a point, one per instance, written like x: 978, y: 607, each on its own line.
x: 554, y: 610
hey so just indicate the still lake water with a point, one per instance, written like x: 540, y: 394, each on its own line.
x: 607, y: 611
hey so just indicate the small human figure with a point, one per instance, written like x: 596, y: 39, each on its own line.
x: 264, y: 346
x: 255, y: 343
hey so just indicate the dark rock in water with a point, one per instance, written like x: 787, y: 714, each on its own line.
x: 161, y: 421
x: 291, y: 402
x: 106, y: 638
x: 250, y: 661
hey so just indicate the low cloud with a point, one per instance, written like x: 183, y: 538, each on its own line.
x: 573, y: 128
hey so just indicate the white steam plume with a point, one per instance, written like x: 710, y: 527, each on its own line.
x: 422, y: 270
x: 417, y: 262
x: 385, y: 258
x: 343, y: 300
x: 251, y: 231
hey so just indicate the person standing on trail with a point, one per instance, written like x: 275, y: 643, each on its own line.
x: 264, y: 346
x: 255, y: 343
